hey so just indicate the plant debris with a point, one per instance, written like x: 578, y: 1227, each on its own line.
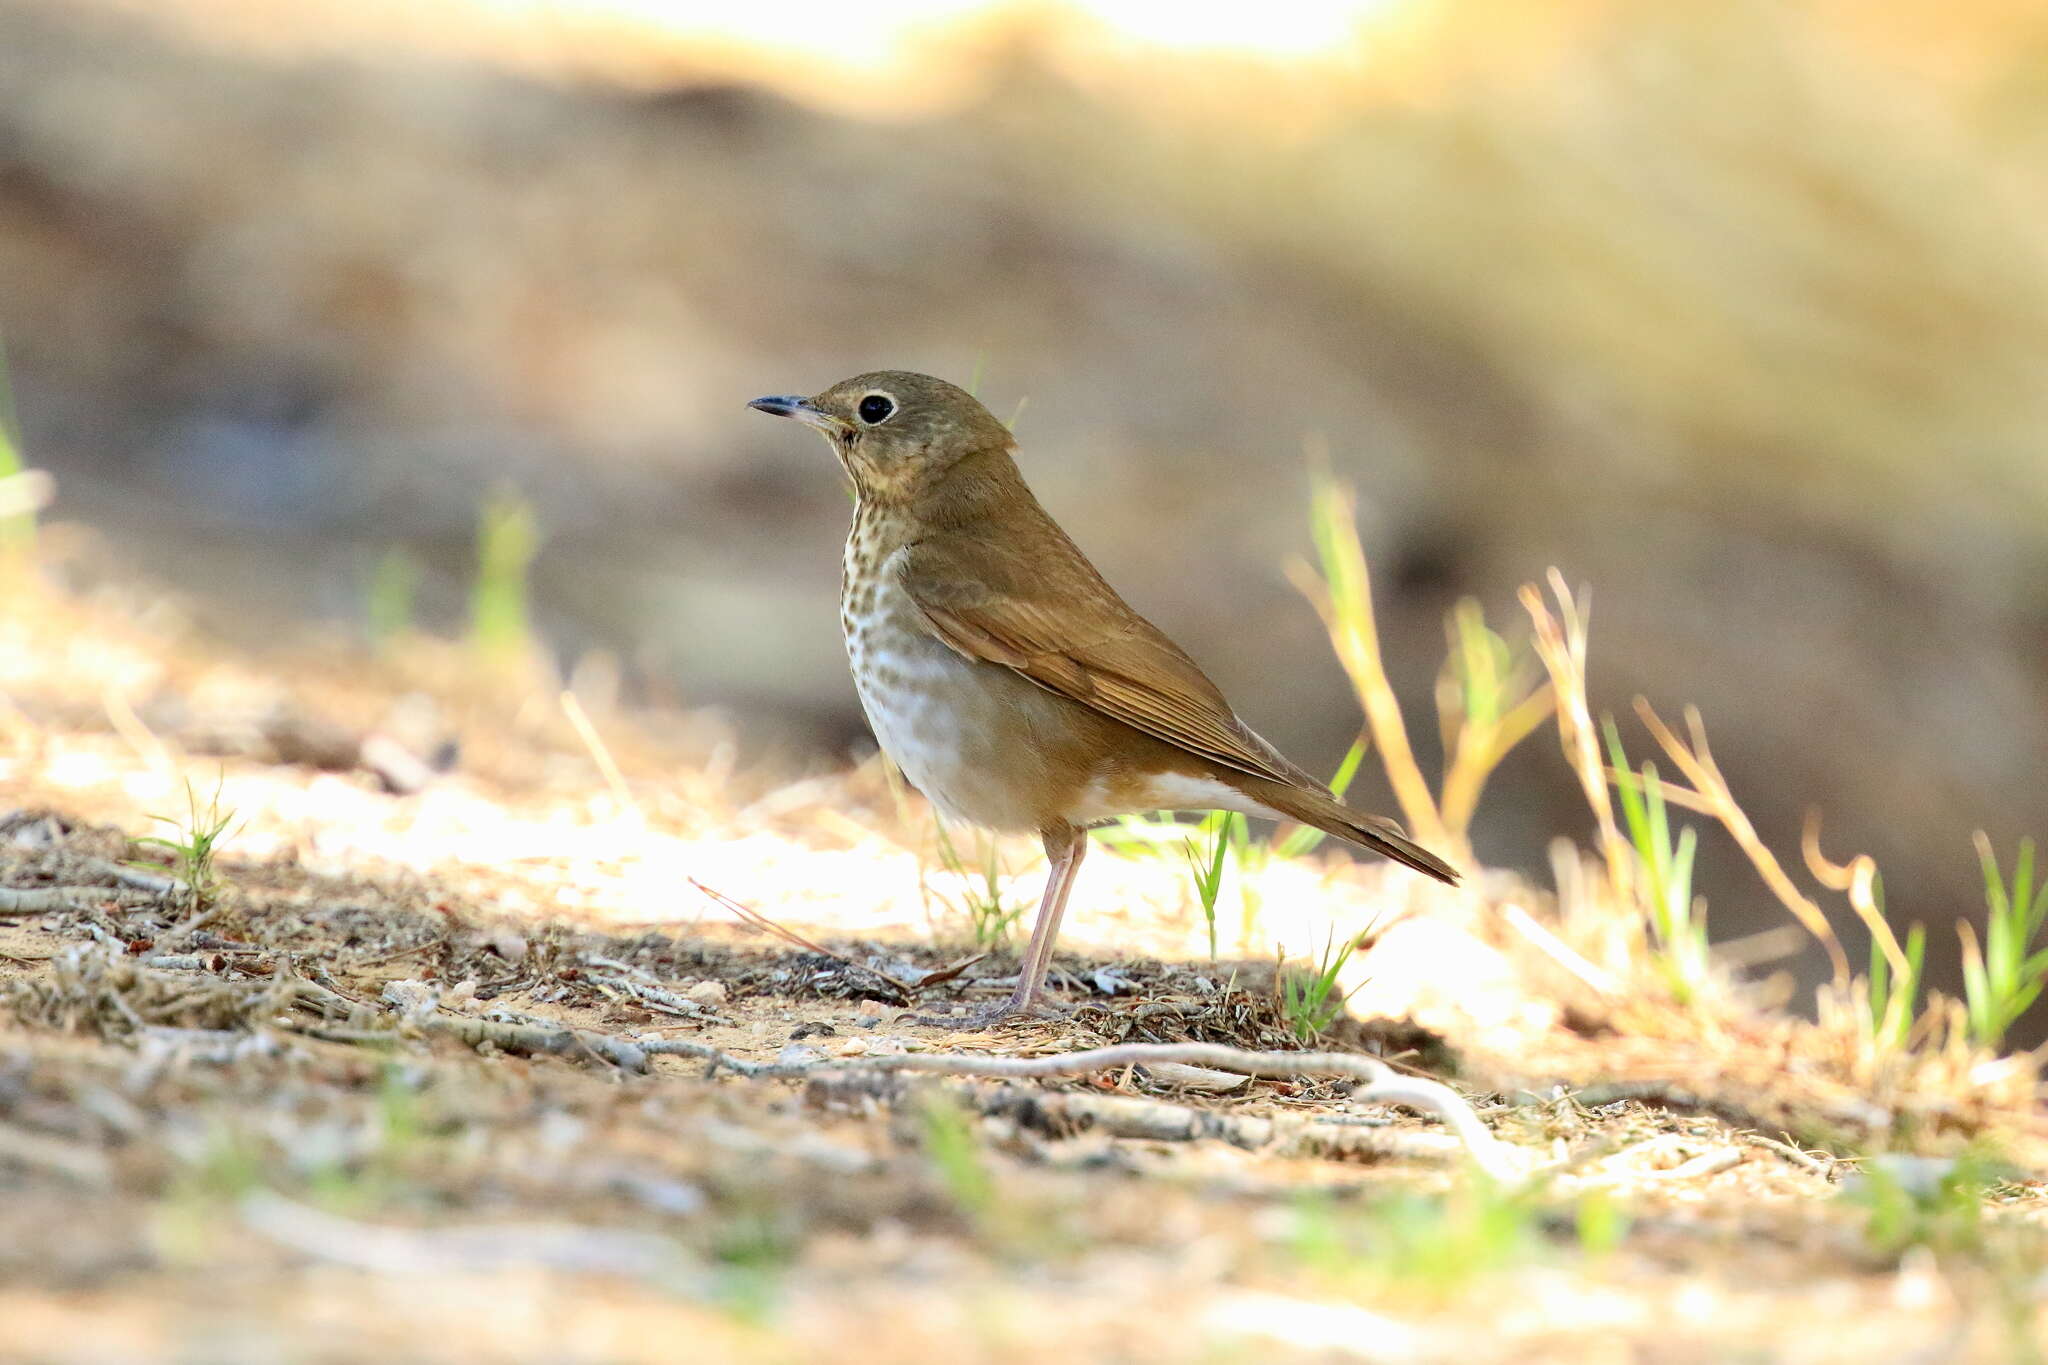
x: 485, y: 1036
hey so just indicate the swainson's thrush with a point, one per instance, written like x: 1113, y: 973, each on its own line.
x: 1000, y: 672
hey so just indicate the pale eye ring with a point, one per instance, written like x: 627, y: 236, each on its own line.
x: 876, y: 408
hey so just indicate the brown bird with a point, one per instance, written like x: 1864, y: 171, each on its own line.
x: 1000, y: 672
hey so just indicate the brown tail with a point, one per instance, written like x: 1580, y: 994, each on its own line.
x: 1332, y: 816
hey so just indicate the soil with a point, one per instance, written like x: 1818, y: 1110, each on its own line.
x: 391, y: 1086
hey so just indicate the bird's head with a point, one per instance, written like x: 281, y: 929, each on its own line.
x: 896, y: 432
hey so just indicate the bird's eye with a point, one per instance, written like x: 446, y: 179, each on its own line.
x: 877, y: 408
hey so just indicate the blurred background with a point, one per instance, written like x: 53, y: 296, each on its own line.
x: 1737, y: 312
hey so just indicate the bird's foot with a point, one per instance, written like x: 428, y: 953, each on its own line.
x: 973, y: 1021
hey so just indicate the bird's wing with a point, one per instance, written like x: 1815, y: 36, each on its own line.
x: 1038, y: 606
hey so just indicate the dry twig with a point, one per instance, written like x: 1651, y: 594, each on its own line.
x: 179, y: 933
x: 42, y: 900
x: 653, y: 997
x: 1705, y: 1164
x: 1821, y: 1164
x: 900, y: 991
x: 136, y: 878
x: 76, y: 1163
x: 560, y: 1040
x: 1383, y: 1084
x: 1064, y: 1113
x: 392, y: 1250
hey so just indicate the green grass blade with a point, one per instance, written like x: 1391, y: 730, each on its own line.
x: 1909, y: 989
x: 1625, y: 788
x: 17, y: 533
x: 1994, y: 882
x: 2023, y: 912
x: 1348, y: 768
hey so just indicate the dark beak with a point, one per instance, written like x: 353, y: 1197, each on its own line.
x: 788, y: 405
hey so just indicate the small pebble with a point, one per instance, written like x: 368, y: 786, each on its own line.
x: 410, y: 994
x: 710, y: 994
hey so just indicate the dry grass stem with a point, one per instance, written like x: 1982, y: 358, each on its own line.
x: 1857, y: 879
x: 1696, y: 761
x: 128, y: 725
x: 579, y: 719
x: 900, y: 992
x: 1344, y: 602
x: 1601, y: 981
x: 1560, y: 641
x: 1479, y: 749
x: 1673, y: 795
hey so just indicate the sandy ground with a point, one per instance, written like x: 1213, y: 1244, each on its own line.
x: 400, y: 1094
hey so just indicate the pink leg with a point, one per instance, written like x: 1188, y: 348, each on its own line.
x: 1064, y: 847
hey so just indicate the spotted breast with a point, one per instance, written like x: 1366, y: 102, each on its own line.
x: 981, y: 742
x: 964, y: 732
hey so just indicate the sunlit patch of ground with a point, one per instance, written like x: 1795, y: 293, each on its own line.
x: 197, y: 1163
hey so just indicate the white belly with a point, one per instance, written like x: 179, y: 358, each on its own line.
x: 928, y: 709
x: 1097, y: 804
